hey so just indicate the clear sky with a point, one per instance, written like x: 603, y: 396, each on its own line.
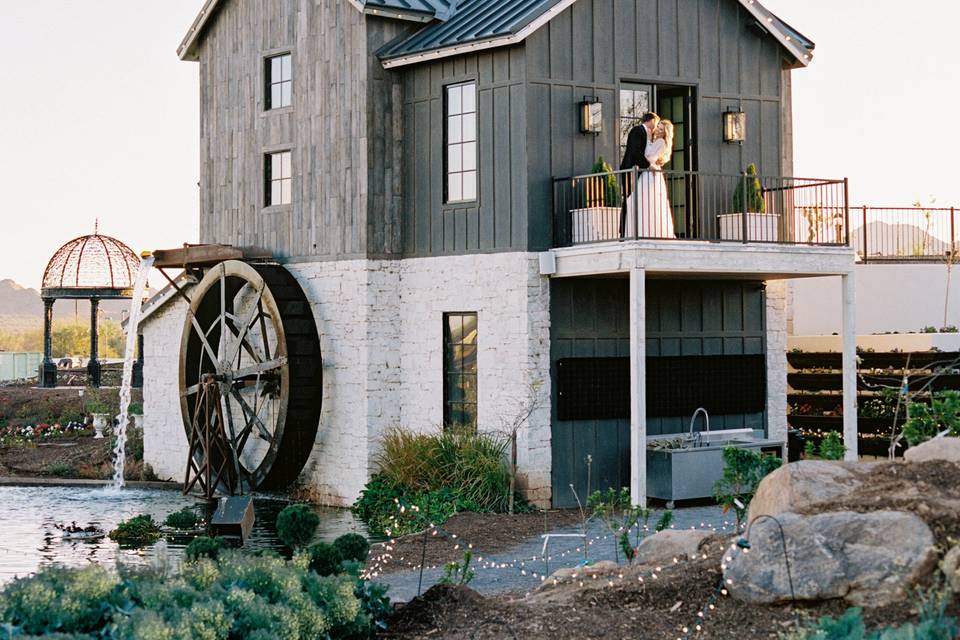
x: 98, y: 118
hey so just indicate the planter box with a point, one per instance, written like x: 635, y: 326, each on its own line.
x: 761, y: 227
x: 594, y: 224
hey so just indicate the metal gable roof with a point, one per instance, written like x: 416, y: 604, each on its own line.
x: 432, y: 7
x: 480, y: 24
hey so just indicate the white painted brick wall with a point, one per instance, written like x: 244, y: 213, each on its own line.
x: 777, y: 359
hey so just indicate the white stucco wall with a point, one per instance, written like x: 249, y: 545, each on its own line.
x: 777, y: 359
x: 890, y: 297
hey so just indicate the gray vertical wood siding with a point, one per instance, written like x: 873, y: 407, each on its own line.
x: 343, y: 129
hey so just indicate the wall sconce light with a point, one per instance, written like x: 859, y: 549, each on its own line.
x: 591, y: 115
x: 734, y: 126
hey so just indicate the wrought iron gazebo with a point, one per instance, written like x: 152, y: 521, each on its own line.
x: 94, y: 268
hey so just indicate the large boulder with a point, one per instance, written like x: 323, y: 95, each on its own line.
x: 869, y: 559
x: 937, y: 449
x: 950, y: 565
x: 798, y: 485
x: 662, y: 547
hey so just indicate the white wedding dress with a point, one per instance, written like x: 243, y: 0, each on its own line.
x: 649, y: 203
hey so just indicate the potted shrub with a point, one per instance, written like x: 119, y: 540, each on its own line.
x: 101, y: 415
x: 748, y: 199
x: 599, y: 218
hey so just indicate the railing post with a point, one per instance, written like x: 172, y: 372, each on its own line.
x: 865, y: 233
x: 952, y: 237
x: 743, y: 206
x: 635, y: 191
x: 846, y: 212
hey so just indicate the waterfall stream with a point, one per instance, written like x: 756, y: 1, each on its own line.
x: 120, y: 448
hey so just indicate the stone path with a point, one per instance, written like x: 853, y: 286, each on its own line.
x: 521, y: 569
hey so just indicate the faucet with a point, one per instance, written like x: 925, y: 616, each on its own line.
x: 697, y: 440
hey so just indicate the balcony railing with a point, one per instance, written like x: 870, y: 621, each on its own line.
x: 605, y: 207
x: 905, y: 233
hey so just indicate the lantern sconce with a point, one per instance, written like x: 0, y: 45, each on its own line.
x: 734, y: 126
x: 591, y: 115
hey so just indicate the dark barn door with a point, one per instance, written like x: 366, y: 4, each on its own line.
x: 692, y: 326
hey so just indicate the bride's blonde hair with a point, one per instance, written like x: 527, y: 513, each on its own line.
x: 668, y: 141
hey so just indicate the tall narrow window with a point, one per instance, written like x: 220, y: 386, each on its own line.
x: 462, y: 142
x: 460, y: 370
x: 277, y: 179
x: 278, y: 74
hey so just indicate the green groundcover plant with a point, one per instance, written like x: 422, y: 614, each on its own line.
x: 426, y: 478
x: 237, y: 595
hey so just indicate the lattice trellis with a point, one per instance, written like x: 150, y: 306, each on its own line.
x: 92, y: 262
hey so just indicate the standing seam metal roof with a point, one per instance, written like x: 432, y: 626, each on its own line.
x: 432, y: 7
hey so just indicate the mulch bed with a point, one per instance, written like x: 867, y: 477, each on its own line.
x: 89, y: 457
x: 487, y: 532
x: 651, y: 610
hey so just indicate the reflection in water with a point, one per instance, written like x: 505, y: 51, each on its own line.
x: 30, y: 539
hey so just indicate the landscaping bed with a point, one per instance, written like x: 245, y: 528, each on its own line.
x: 487, y: 532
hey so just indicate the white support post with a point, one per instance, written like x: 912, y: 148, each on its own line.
x: 849, y: 367
x: 638, y: 387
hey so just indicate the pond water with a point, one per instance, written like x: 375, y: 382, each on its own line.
x: 29, y: 538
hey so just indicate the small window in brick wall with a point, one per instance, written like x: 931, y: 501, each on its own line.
x: 460, y: 370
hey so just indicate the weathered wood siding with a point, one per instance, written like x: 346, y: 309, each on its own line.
x: 342, y: 129
x: 595, y: 45
x: 497, y: 221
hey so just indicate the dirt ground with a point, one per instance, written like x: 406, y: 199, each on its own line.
x: 654, y: 609
x: 488, y: 532
x: 83, y: 457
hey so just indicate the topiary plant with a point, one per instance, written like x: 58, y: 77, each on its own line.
x: 296, y: 525
x: 137, y: 530
x: 325, y: 559
x: 752, y: 201
x: 183, y: 519
x: 604, y: 192
x: 352, y: 546
x: 204, y: 547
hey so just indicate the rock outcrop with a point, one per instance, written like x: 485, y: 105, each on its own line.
x: 796, y: 486
x: 938, y: 449
x: 661, y: 548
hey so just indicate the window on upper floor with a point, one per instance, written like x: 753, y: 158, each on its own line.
x: 278, y: 77
x: 461, y: 141
x: 277, y: 179
x: 460, y: 370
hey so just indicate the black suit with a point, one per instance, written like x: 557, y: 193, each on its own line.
x: 633, y: 156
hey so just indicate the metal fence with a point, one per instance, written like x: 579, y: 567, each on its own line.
x: 692, y: 205
x: 905, y: 233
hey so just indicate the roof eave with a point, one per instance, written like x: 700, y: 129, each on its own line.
x: 799, y: 52
x: 187, y: 49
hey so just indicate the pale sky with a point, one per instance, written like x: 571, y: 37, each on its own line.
x: 99, y: 119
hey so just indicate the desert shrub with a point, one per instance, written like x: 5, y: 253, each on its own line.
x: 204, y: 547
x: 927, y: 421
x: 743, y: 469
x: 137, y: 530
x: 426, y: 478
x: 352, y: 546
x: 325, y: 559
x: 61, y: 470
x: 296, y: 525
x: 458, y: 573
x: 183, y: 519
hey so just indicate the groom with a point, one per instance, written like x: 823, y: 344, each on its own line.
x: 635, y: 156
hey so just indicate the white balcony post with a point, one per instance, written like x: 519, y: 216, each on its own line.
x: 638, y: 387
x: 849, y: 366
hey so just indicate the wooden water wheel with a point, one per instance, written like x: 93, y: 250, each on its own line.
x: 251, y: 331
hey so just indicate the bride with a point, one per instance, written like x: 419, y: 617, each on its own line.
x: 653, y: 210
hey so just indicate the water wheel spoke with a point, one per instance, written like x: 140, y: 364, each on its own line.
x: 259, y: 368
x: 263, y: 330
x: 206, y: 343
x: 245, y: 325
x: 189, y: 391
x: 254, y: 418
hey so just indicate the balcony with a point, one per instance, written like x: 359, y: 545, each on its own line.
x: 905, y: 234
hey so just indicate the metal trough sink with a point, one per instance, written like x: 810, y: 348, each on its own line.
x: 690, y: 472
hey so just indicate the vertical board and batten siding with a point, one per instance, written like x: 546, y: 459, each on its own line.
x: 595, y: 45
x: 497, y: 221
x: 590, y: 318
x: 345, y: 198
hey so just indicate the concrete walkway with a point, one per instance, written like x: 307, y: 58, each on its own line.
x: 521, y: 569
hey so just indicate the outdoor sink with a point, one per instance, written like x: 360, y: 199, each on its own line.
x: 690, y: 470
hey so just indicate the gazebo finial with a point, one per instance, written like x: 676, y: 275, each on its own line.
x: 96, y: 226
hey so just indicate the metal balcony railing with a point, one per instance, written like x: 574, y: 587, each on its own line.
x: 693, y: 205
x: 905, y: 233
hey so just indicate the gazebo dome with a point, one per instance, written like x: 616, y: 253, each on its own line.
x: 91, y: 266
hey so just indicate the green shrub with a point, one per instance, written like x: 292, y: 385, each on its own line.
x: 204, y: 547
x: 743, y: 470
x: 183, y: 519
x: 137, y: 530
x: 927, y: 421
x: 325, y: 559
x: 296, y: 525
x: 459, y: 574
x: 832, y: 448
x: 61, y: 470
x: 426, y: 478
x: 352, y: 546
x: 754, y: 193
x: 610, y: 191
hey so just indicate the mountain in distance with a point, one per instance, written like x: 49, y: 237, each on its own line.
x: 21, y: 307
x: 898, y: 240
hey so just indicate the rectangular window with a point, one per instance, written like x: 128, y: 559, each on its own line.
x: 278, y: 74
x: 461, y: 136
x: 277, y: 179
x: 460, y: 370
